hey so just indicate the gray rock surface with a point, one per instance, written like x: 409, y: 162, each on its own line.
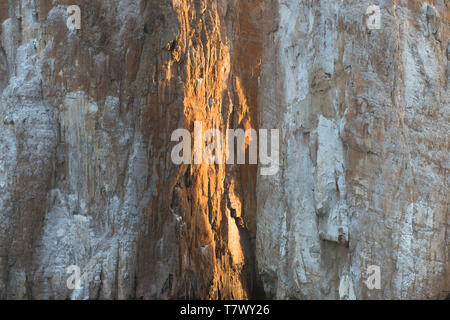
x: 86, y: 178
x: 365, y: 151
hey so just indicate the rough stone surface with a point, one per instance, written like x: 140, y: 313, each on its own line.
x: 364, y: 152
x: 86, y: 176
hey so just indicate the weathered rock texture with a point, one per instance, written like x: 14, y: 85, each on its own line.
x: 365, y: 150
x: 86, y: 176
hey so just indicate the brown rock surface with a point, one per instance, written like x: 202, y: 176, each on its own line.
x: 86, y: 176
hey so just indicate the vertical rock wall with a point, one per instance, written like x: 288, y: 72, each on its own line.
x: 365, y: 145
x: 86, y: 176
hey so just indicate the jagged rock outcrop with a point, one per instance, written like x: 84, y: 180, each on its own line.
x: 86, y: 176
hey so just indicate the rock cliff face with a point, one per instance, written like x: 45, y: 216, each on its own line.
x: 365, y: 151
x: 86, y: 176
